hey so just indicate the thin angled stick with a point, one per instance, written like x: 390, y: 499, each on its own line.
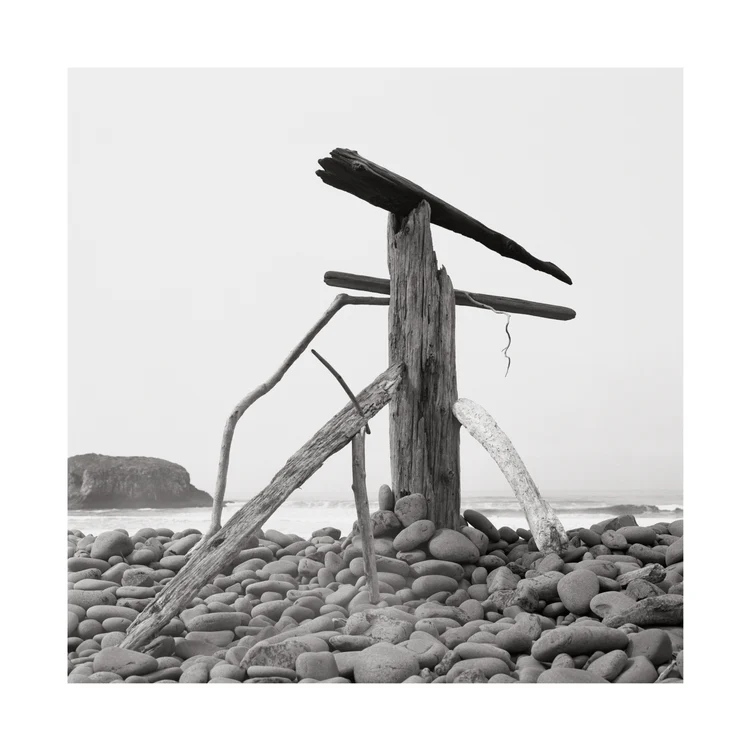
x: 363, y: 515
x: 229, y: 428
x: 343, y: 384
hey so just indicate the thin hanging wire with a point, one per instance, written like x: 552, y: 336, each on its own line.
x: 508, y: 333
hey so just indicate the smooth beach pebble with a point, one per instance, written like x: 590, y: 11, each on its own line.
x: 124, y: 662
x: 637, y: 670
x: 676, y: 528
x: 488, y: 666
x: 652, y: 643
x: 609, y: 665
x: 116, y: 624
x: 94, y: 585
x: 674, y: 553
x: 221, y: 621
x: 414, y: 535
x: 384, y: 663
x: 569, y: 675
x: 577, y: 589
x: 425, y: 586
x: 576, y: 640
x: 318, y: 665
x: 483, y: 524
x: 102, y: 612
x: 411, y: 508
x: 449, y: 545
x: 606, y: 603
x: 437, y: 567
x: 225, y: 671
x: 386, y: 498
x: 87, y: 599
x: 108, y: 544
x: 477, y: 538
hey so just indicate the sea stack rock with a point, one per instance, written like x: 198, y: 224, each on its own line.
x: 96, y: 481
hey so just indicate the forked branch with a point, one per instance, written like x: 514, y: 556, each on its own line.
x: 339, y: 302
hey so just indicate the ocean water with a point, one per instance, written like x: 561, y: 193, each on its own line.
x: 303, y: 515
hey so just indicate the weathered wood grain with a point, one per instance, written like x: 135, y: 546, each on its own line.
x: 222, y: 548
x: 424, y: 436
x: 546, y: 528
x: 352, y: 173
x: 360, y: 490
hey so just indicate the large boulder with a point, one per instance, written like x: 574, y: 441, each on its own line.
x: 96, y: 481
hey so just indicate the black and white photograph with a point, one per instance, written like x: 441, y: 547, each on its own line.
x: 379, y: 347
x: 375, y: 395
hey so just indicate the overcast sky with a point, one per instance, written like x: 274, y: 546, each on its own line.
x: 199, y: 236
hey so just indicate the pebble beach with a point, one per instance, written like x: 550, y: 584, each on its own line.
x: 480, y: 604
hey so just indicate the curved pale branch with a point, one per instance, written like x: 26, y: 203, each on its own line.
x: 545, y: 526
x: 339, y: 302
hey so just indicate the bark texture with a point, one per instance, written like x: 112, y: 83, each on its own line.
x: 424, y: 436
x: 348, y: 171
x: 547, y: 530
x: 220, y: 551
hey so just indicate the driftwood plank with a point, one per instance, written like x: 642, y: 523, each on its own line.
x: 348, y: 171
x: 424, y: 436
x: 222, y: 548
x: 501, y: 304
x: 545, y: 526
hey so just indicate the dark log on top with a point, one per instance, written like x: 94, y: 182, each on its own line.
x: 503, y: 304
x: 348, y: 171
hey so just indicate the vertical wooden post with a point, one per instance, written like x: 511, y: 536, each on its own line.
x: 363, y: 515
x: 424, y: 434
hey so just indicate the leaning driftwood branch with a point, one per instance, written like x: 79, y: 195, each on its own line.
x: 229, y: 428
x: 342, y: 383
x: 363, y: 515
x: 220, y: 551
x: 348, y: 171
x: 468, y: 299
x: 545, y: 526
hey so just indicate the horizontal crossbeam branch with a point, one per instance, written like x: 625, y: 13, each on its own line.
x: 346, y: 170
x: 502, y: 304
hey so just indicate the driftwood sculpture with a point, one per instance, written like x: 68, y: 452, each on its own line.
x: 547, y: 530
x: 424, y: 436
x: 222, y: 548
x: 420, y: 384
